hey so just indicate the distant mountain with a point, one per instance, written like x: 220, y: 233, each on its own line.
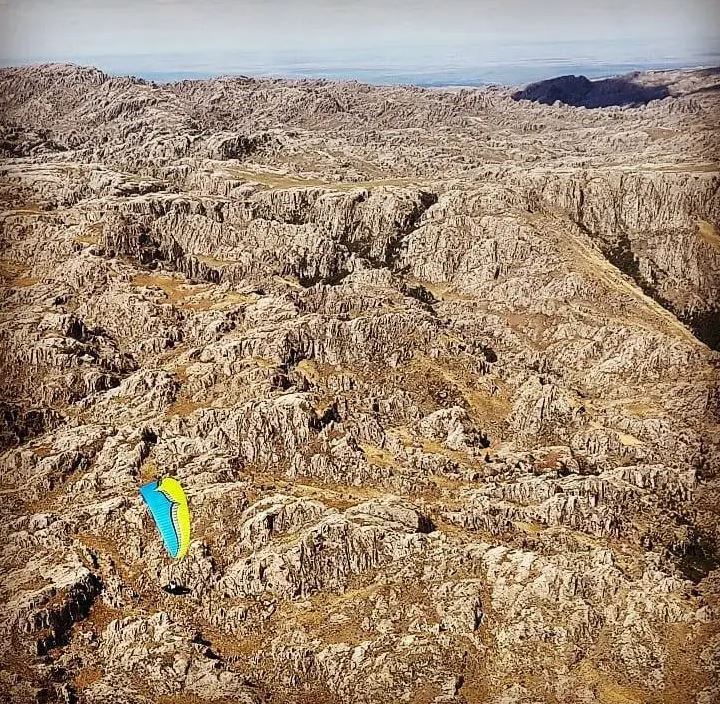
x: 632, y: 89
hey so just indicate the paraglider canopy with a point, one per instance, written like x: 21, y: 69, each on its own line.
x: 168, y: 507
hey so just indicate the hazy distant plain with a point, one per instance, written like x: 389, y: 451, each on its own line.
x: 431, y: 66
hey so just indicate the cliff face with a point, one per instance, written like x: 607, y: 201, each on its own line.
x: 418, y: 358
x: 658, y: 228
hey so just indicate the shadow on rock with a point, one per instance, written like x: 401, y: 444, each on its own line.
x: 582, y: 92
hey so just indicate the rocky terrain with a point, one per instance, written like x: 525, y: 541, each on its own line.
x: 435, y: 368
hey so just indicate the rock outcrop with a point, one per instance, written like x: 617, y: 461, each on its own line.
x: 435, y: 369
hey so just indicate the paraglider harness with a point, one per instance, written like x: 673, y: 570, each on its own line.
x: 176, y: 589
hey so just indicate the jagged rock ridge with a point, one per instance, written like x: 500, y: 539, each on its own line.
x: 418, y: 358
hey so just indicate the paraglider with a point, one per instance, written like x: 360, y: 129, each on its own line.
x: 168, y: 506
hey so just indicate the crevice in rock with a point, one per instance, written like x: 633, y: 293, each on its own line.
x: 18, y: 425
x: 330, y: 415
x: 697, y: 560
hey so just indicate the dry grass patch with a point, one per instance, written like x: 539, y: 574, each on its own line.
x: 18, y: 662
x: 708, y: 233
x: 92, y: 234
x: 628, y: 440
x: 640, y: 406
x: 184, y: 407
x: 660, y: 132
x: 687, y: 168
x: 485, y: 406
x: 109, y: 547
x: 180, y: 371
x: 583, y: 258
x: 25, y: 281
x: 86, y: 677
x: 313, y: 615
x: 606, y: 688
x: 182, y: 698
x: 273, y: 179
x: 47, y: 501
x: 97, y: 620
x: 230, y: 299
x: 311, y: 694
x: 425, y: 693
x: 230, y: 647
x: 291, y: 282
x: 641, y: 409
x: 13, y: 272
x: 529, y: 528
x: 176, y: 290
x: 625, y: 438
x: 278, y: 180
x: 214, y: 262
x: 263, y: 362
x: 43, y: 451
x: 442, y: 291
x: 349, y: 632
x: 685, y: 644
x: 440, y: 488
x: 197, y: 297
x: 316, y: 372
x: 379, y: 457
x: 332, y: 495
x: 531, y: 327
x: 27, y: 209
x: 148, y: 471
x: 335, y: 496
x: 548, y: 462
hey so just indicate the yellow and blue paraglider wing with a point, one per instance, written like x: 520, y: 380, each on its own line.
x: 168, y: 506
x: 180, y: 513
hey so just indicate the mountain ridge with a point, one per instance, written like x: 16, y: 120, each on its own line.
x: 418, y: 360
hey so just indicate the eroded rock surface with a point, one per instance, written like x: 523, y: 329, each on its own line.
x: 435, y: 369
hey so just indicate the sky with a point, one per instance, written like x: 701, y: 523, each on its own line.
x: 399, y: 31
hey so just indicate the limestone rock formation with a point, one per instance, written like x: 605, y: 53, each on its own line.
x: 437, y: 370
